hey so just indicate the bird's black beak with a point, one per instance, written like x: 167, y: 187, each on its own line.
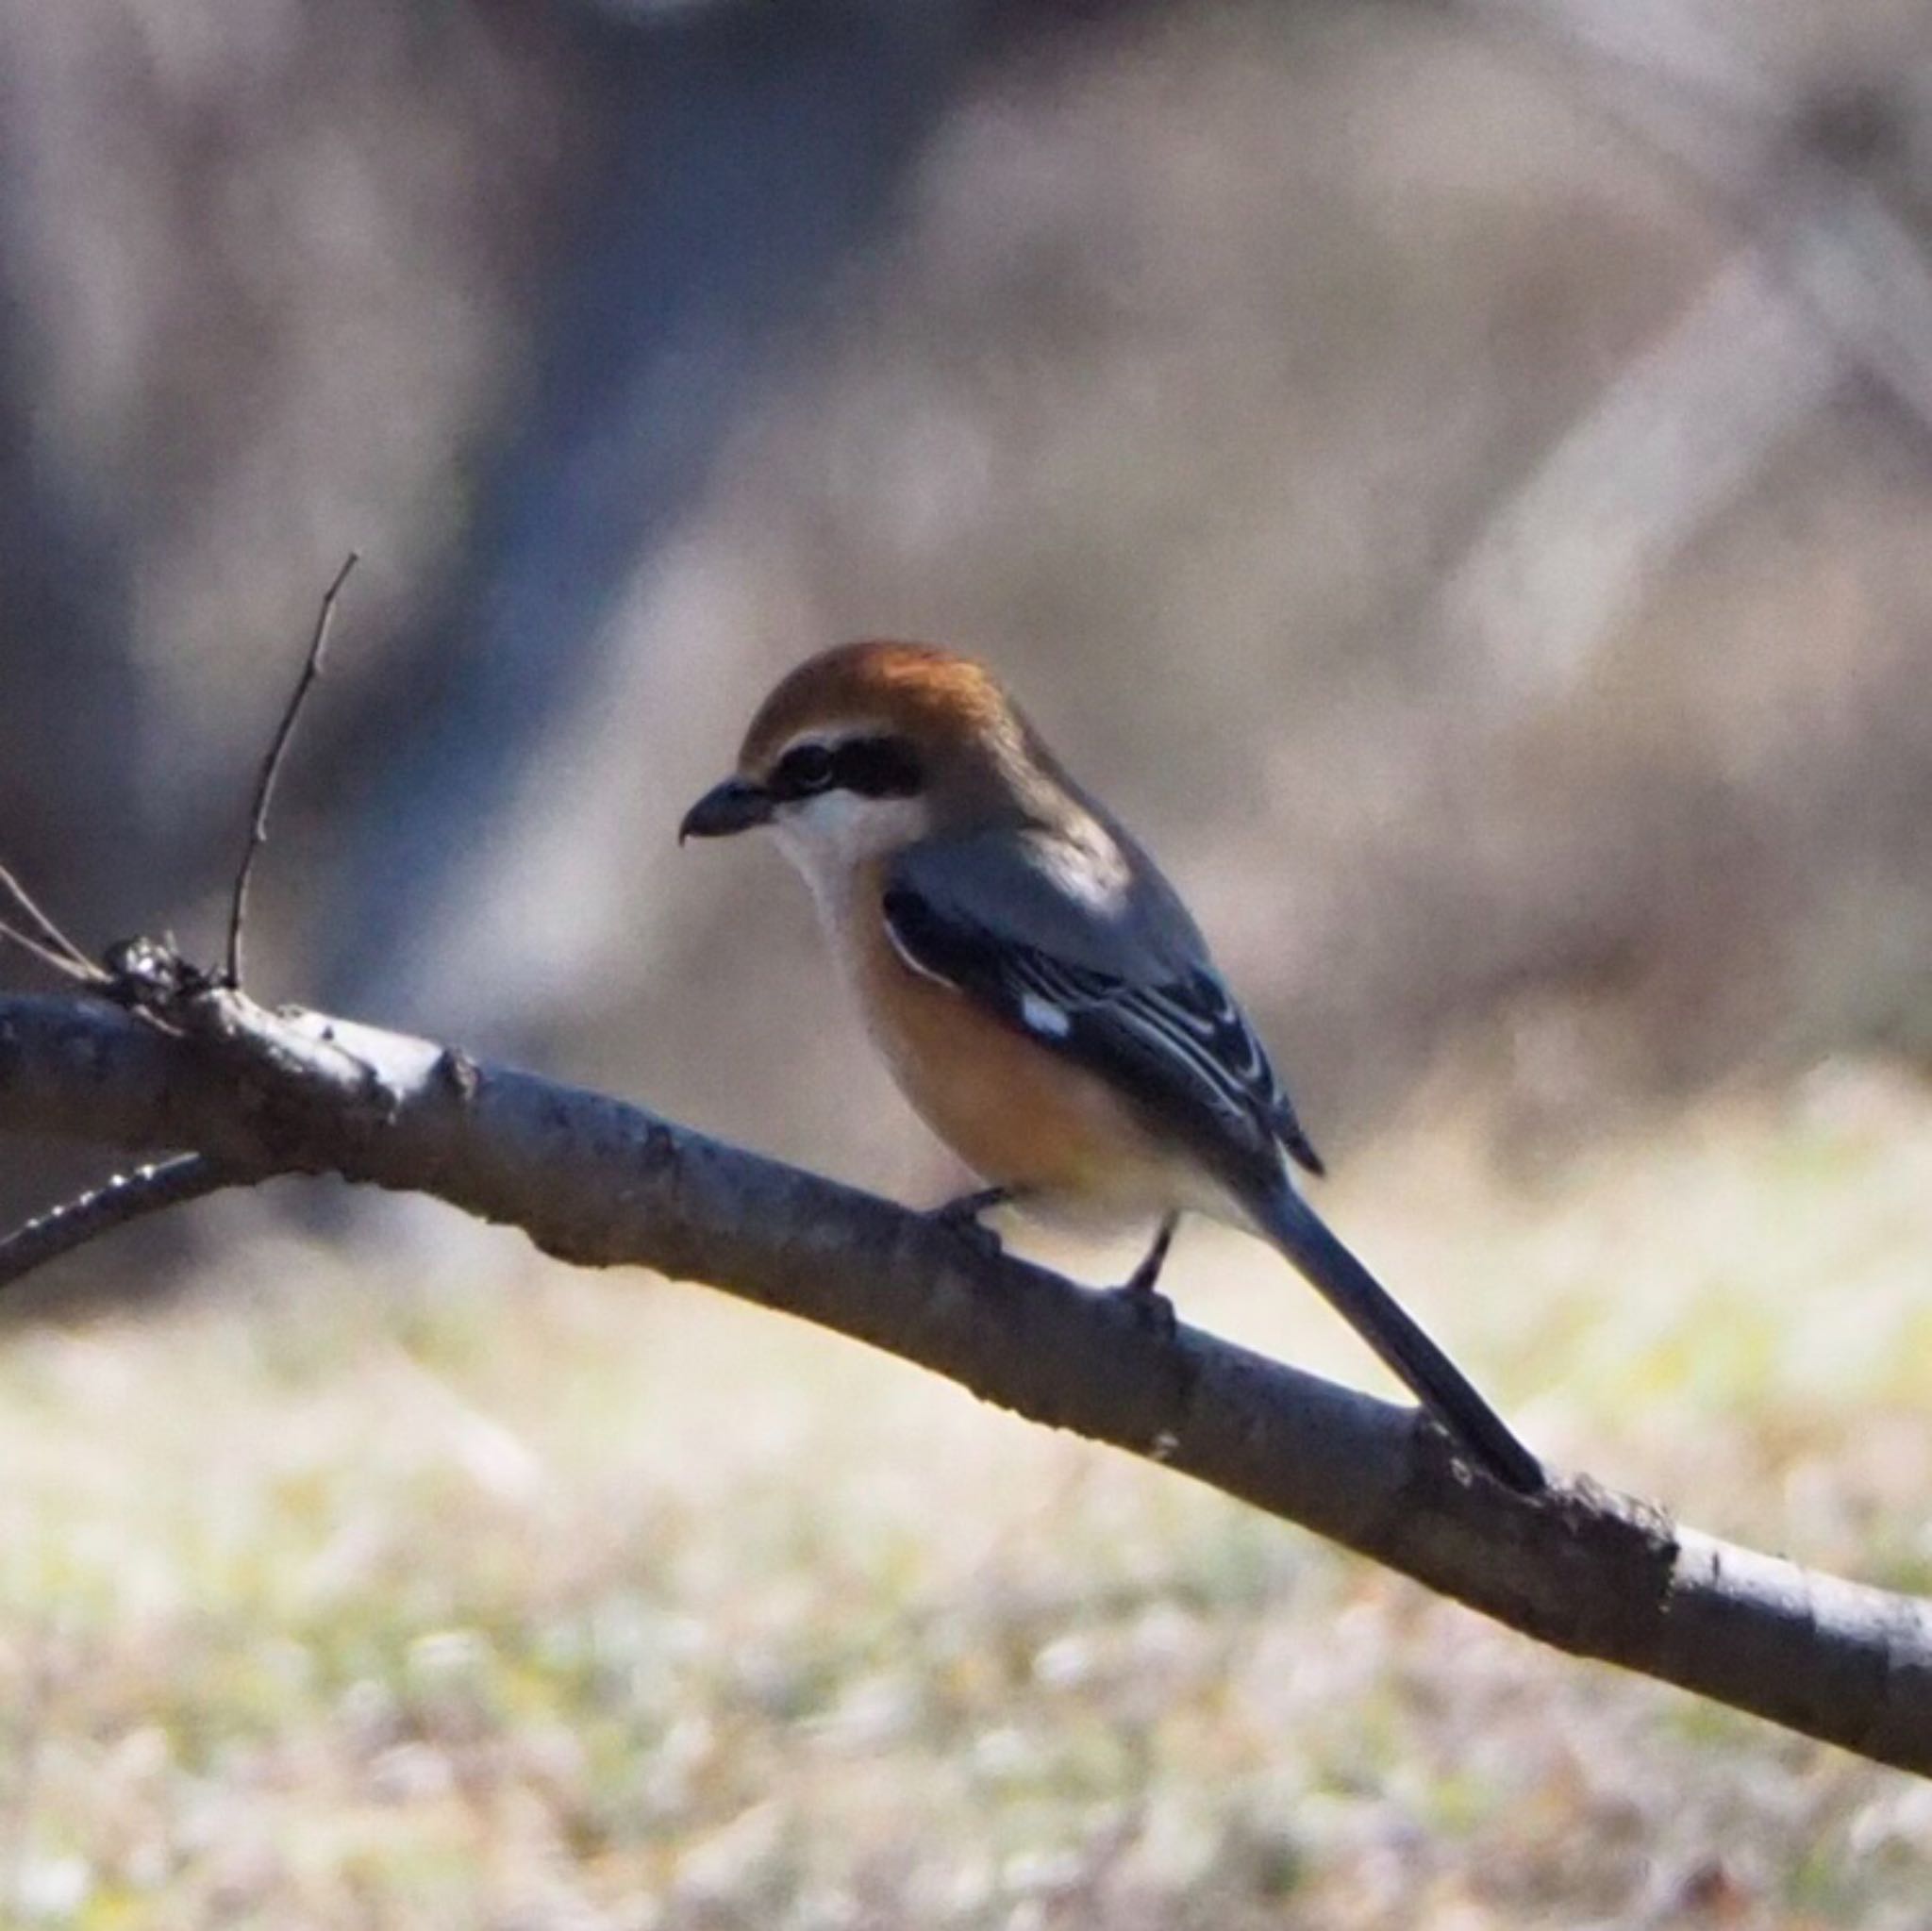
x: 735, y: 806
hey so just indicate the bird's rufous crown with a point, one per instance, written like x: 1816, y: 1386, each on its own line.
x: 917, y: 689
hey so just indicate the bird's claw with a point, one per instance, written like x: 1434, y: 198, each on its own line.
x: 1150, y: 1308
x: 960, y: 1218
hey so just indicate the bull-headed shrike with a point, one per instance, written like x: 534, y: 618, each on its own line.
x: 1040, y: 990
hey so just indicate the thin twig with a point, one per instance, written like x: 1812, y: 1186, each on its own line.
x: 272, y: 764
x: 126, y: 1197
x: 46, y: 942
x: 34, y: 949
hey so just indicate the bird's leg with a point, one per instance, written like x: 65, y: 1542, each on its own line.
x: 968, y: 1207
x: 1140, y: 1287
x: 961, y: 1216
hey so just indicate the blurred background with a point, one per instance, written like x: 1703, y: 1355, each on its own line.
x: 1455, y: 474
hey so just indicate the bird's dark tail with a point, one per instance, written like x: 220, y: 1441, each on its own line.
x: 1367, y: 1306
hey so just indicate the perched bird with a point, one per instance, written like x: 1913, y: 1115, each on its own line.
x: 1040, y: 990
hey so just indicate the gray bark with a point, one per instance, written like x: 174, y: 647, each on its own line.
x: 597, y: 1182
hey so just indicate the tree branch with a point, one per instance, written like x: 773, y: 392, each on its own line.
x: 602, y: 1184
x: 115, y: 1203
x: 42, y: 939
x: 272, y: 764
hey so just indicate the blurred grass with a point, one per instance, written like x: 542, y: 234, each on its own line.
x: 553, y: 1600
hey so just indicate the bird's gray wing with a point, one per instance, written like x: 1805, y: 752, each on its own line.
x: 1087, y: 950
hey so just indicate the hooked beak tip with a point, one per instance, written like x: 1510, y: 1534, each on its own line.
x: 735, y: 806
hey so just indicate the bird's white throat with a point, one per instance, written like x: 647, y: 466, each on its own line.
x: 829, y: 836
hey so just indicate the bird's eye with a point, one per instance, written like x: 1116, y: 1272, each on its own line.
x: 805, y: 768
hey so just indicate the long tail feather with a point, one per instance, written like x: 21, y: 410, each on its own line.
x: 1369, y: 1308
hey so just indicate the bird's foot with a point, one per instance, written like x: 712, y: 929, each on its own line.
x: 1150, y: 1308
x: 962, y: 1216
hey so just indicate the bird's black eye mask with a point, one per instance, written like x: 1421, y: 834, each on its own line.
x: 879, y: 767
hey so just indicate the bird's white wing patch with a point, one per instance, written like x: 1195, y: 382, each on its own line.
x: 1044, y: 1016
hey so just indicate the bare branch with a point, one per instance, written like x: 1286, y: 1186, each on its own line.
x: 45, y: 940
x: 272, y: 764
x: 125, y: 1198
x: 602, y: 1184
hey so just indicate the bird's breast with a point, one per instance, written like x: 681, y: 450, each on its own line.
x: 1015, y: 1111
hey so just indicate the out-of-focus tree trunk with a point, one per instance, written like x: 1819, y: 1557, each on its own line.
x: 753, y: 149
x: 71, y: 816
